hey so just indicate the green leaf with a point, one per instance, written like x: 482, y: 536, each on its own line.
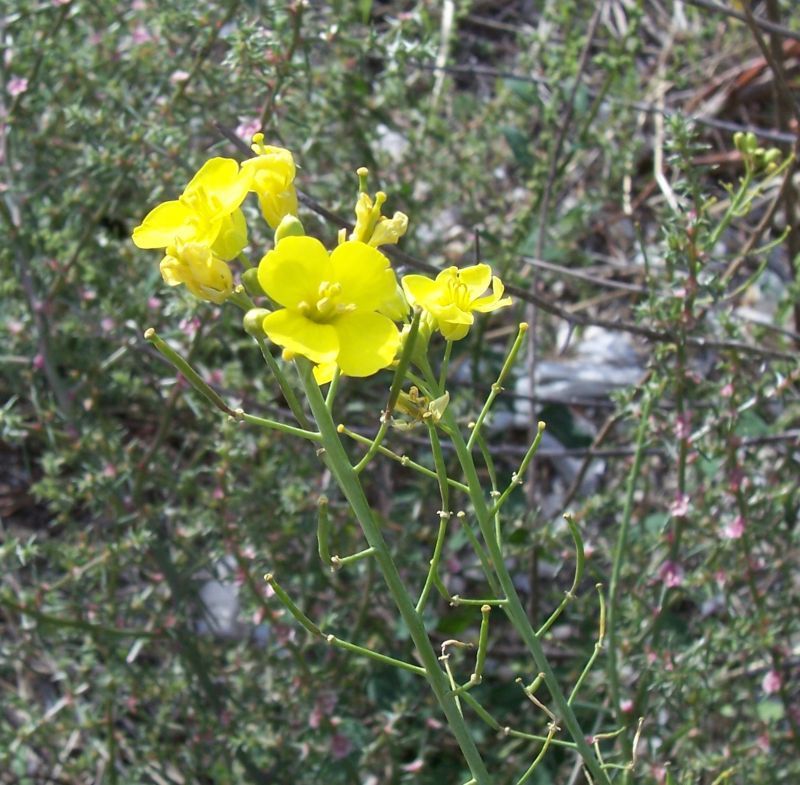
x: 770, y: 710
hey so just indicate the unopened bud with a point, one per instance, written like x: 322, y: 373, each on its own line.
x: 253, y: 322
x: 290, y: 226
x: 251, y: 284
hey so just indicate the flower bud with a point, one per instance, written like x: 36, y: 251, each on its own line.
x: 253, y: 322
x: 251, y: 284
x: 290, y: 226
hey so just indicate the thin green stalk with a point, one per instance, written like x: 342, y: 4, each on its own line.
x: 483, y: 643
x: 598, y: 647
x: 330, y: 398
x: 340, y: 466
x: 444, y: 516
x: 323, y: 531
x: 529, y: 773
x: 516, y: 478
x: 448, y: 349
x: 514, y: 608
x: 404, y: 460
x: 309, y: 625
x: 189, y: 373
x: 286, y: 388
x: 497, y: 387
x: 505, y: 730
x: 580, y: 559
x: 274, y: 425
x: 619, y: 557
x: 342, y: 561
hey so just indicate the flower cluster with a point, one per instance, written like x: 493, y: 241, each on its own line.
x: 339, y: 309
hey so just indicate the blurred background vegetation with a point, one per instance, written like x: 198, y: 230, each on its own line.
x: 585, y: 151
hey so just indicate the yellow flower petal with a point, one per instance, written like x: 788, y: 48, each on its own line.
x: 367, y: 342
x: 162, y: 225
x: 419, y: 289
x: 292, y: 272
x: 476, y: 278
x: 323, y: 373
x: 492, y: 302
x: 222, y: 181
x: 292, y: 331
x: 232, y: 237
x: 364, y: 274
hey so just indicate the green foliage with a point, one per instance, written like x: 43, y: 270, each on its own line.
x: 122, y: 494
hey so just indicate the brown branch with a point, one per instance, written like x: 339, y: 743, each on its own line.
x: 764, y: 24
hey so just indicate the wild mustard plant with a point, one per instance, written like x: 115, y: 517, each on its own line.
x: 341, y: 312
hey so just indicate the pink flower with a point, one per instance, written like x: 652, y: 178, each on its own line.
x: 727, y: 390
x: 683, y: 425
x: 17, y: 85
x: 626, y: 705
x: 771, y: 683
x: 247, y: 128
x: 414, y: 766
x: 671, y: 574
x: 178, y: 76
x: 341, y: 746
x: 735, y: 529
x: 38, y: 362
x: 680, y: 507
x: 141, y: 35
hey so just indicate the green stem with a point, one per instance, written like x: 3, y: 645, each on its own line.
x: 340, y: 466
x: 189, y: 373
x: 309, y: 625
x: 580, y: 559
x: 497, y: 387
x: 404, y: 460
x: 274, y: 425
x: 598, y: 647
x: 283, y: 383
x: 444, y: 516
x: 619, y: 556
x: 514, y: 608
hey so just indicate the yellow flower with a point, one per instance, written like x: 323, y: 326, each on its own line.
x: 330, y: 305
x: 454, y: 295
x: 272, y: 174
x: 206, y: 276
x: 207, y: 212
x: 372, y: 227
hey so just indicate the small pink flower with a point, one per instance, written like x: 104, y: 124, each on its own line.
x: 17, y: 85
x: 38, y: 361
x: 671, y: 574
x: 626, y: 705
x: 178, y: 76
x: 341, y: 746
x: 735, y: 529
x: 683, y: 425
x: 247, y: 128
x: 218, y: 493
x: 414, y: 767
x: 141, y: 35
x: 680, y: 507
x: 771, y: 682
x: 107, y: 324
x: 109, y: 471
x: 153, y: 303
x: 727, y: 390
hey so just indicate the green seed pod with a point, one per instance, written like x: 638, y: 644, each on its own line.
x: 253, y: 322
